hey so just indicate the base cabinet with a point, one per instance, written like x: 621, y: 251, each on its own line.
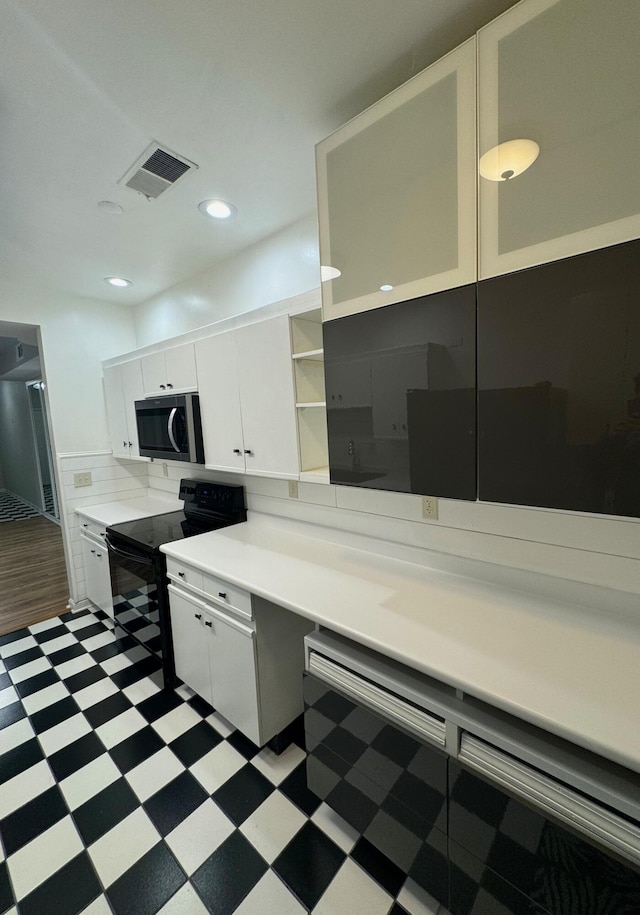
x: 248, y: 669
x: 96, y: 566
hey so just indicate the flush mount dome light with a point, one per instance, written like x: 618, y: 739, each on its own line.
x: 329, y: 273
x: 118, y: 281
x: 217, y: 209
x: 508, y: 160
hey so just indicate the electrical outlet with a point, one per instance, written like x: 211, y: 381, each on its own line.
x: 82, y: 479
x: 430, y: 507
x: 293, y: 489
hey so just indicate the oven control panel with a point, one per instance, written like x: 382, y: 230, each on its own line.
x: 220, y: 498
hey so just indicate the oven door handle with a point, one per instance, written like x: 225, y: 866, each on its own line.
x: 133, y: 556
x: 170, y: 422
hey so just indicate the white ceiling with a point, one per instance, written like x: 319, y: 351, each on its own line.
x: 243, y: 88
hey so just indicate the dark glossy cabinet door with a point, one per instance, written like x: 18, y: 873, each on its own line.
x: 501, y: 849
x: 401, y: 404
x: 559, y: 384
x: 390, y: 787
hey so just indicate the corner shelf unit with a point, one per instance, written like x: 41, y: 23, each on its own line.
x: 311, y: 407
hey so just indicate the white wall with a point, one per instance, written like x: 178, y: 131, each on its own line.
x: 19, y: 459
x: 284, y: 265
x: 77, y: 334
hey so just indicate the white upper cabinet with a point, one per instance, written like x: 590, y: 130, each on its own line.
x: 565, y: 74
x: 170, y: 372
x: 247, y: 400
x: 267, y: 398
x: 217, y: 362
x: 397, y: 192
x: 122, y: 387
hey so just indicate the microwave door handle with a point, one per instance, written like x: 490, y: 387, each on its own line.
x: 172, y: 439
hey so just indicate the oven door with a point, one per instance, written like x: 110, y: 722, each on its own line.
x: 135, y: 592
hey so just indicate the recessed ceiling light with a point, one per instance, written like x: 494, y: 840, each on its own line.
x: 386, y: 287
x: 117, y: 281
x: 329, y: 273
x: 217, y: 209
x: 109, y: 206
x: 508, y: 160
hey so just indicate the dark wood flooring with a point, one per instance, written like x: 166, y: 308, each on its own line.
x: 33, y: 575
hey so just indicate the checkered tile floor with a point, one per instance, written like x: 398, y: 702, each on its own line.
x: 14, y: 509
x: 116, y: 796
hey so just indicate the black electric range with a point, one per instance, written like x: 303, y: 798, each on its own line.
x: 139, y: 570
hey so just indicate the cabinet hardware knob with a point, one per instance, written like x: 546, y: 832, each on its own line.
x: 162, y: 387
x: 181, y: 574
x: 93, y: 551
x: 208, y: 623
x: 85, y: 525
x: 237, y: 451
x: 130, y: 444
x: 124, y: 444
x: 198, y: 616
x: 222, y: 594
x: 248, y: 451
x: 99, y: 555
x: 169, y: 385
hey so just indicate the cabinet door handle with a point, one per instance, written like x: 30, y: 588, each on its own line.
x: 198, y: 616
x: 181, y: 574
x: 248, y: 451
x: 124, y: 444
x: 99, y: 555
x: 85, y: 524
x: 130, y: 444
x: 162, y: 387
x: 237, y: 451
x: 93, y: 551
x: 222, y: 594
x: 169, y: 385
x: 209, y: 624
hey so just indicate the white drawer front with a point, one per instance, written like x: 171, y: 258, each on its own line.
x: 184, y: 574
x: 92, y: 527
x: 228, y: 595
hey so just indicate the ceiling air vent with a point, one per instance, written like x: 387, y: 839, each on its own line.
x: 155, y: 171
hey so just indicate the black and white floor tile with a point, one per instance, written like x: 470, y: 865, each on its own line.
x: 49, y: 503
x: 14, y: 509
x: 119, y: 797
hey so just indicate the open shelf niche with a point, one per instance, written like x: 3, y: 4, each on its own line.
x: 311, y: 408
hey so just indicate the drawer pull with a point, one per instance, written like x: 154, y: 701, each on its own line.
x: 418, y: 722
x: 208, y: 623
x: 181, y: 574
x: 552, y: 797
x: 198, y: 616
x: 222, y: 594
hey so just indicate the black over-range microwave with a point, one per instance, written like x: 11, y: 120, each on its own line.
x: 169, y: 428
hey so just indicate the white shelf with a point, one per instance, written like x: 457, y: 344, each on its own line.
x: 311, y: 403
x: 317, y: 475
x: 312, y: 355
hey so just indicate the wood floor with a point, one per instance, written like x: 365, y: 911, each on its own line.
x: 33, y: 574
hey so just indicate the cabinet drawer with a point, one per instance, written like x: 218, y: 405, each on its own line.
x: 87, y: 526
x: 184, y: 574
x: 230, y: 596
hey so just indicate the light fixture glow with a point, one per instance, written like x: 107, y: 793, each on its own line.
x: 217, y: 209
x: 508, y: 160
x: 329, y: 273
x: 117, y: 281
x: 386, y: 287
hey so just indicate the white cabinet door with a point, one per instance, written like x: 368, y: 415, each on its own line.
x: 565, y: 74
x: 96, y: 564
x: 190, y: 644
x: 116, y: 413
x: 132, y: 390
x: 217, y: 366
x: 267, y: 398
x: 234, y: 686
x: 181, y: 369
x: 397, y: 192
x: 154, y: 373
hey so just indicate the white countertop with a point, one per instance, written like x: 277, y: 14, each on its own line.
x: 560, y: 654
x: 129, y: 509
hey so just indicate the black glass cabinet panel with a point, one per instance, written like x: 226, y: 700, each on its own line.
x: 500, y: 847
x: 401, y: 401
x: 559, y: 384
x: 390, y: 787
